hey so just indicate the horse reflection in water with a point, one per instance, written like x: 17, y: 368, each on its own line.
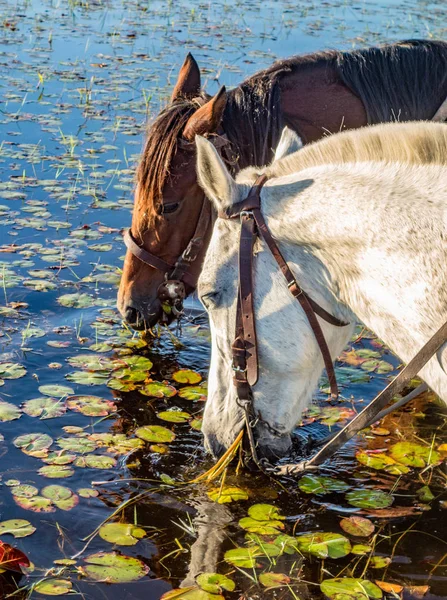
x: 366, y: 241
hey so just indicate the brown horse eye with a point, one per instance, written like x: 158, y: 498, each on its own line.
x: 169, y: 208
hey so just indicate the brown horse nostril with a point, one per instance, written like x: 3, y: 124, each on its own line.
x: 132, y: 316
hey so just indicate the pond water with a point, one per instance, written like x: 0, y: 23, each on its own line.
x: 79, y: 80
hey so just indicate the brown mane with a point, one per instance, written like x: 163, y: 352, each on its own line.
x: 390, y: 89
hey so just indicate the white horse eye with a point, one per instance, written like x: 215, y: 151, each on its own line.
x: 209, y: 300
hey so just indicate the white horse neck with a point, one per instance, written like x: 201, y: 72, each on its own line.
x: 379, y: 230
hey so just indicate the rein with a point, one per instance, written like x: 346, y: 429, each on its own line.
x: 245, y: 351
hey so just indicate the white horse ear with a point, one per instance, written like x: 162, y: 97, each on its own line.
x: 290, y: 142
x: 213, y: 176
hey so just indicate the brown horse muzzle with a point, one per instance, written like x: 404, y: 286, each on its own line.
x: 171, y: 294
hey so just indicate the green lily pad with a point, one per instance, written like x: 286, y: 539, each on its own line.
x: 381, y: 462
x: 186, y: 376
x: 37, y: 504
x: 425, y: 494
x: 95, y: 461
x: 87, y: 378
x: 53, y: 587
x: 272, y: 580
x: 30, y: 443
x: 361, y: 549
x: 9, y: 412
x: 230, y: 493
x: 190, y: 593
x: 243, y: 557
x: 324, y: 545
x: 117, y: 443
x: 24, y: 490
x: 345, y: 588
x: 174, y: 416
x: 9, y: 370
x: 114, y: 568
x: 317, y: 484
x: 379, y: 562
x: 44, y: 407
x: 270, y: 527
x: 194, y: 393
x: 357, y: 526
x: 414, y: 455
x: 265, y: 512
x: 58, y: 391
x: 19, y: 528
x: 369, y: 499
x: 155, y: 433
x: 60, y: 457
x: 156, y: 389
x: 122, y: 534
x: 56, y: 471
x: 92, y: 362
x: 215, y: 583
x: 88, y: 493
x: 61, y: 496
x: 77, y: 300
x: 91, y: 406
x: 79, y: 445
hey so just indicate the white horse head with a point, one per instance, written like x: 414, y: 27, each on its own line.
x: 352, y: 248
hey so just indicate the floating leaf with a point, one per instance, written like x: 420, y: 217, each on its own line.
x: 88, y: 378
x: 425, y: 494
x: 357, y: 526
x: 414, y: 455
x: 53, y: 587
x: 45, y: 408
x: 56, y: 471
x: 80, y: 445
x: 381, y: 461
x: 230, y: 493
x: 88, y: 493
x: 195, y: 393
x: 272, y: 580
x: 19, y: 528
x: 324, y: 545
x: 9, y: 370
x: 317, y: 484
x: 95, y: 461
x: 190, y: 593
x: 37, y: 504
x: 59, y: 391
x: 77, y: 300
x: 361, y: 549
x: 389, y: 588
x: 26, y: 491
x: 379, y: 562
x: 270, y: 527
x: 155, y: 433
x: 243, y: 557
x: 30, y: 443
x: 186, y: 376
x: 156, y: 389
x: 345, y: 588
x: 91, y: 406
x: 114, y: 568
x: 9, y: 412
x: 215, y: 583
x: 122, y: 534
x: 61, y: 457
x: 61, y: 496
x: 369, y: 499
x: 174, y: 416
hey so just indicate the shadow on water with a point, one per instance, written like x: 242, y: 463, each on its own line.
x: 79, y: 80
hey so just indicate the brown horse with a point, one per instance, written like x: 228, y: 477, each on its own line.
x: 314, y: 95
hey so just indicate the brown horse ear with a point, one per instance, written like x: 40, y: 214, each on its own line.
x: 188, y: 82
x: 207, y: 119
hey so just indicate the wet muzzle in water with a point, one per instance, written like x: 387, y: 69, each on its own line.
x: 171, y: 294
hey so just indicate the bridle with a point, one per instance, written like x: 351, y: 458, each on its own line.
x: 245, y: 348
x: 172, y: 291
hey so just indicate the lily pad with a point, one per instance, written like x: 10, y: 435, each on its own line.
x: 56, y: 471
x: 61, y: 496
x: 9, y: 370
x: 230, y: 493
x: 272, y: 580
x: 88, y: 378
x: 79, y: 445
x: 174, y: 416
x: 381, y: 462
x: 345, y: 588
x: 414, y: 455
x: 9, y: 412
x: 194, y: 393
x: 155, y: 433
x: 53, y: 587
x: 37, y: 504
x: 317, y: 484
x: 30, y: 443
x: 186, y: 376
x: 91, y: 406
x: 88, y: 493
x: 122, y: 534
x: 45, y: 408
x: 357, y: 526
x: 190, y: 593
x: 156, y: 389
x: 96, y: 461
x: 369, y: 499
x: 58, y: 391
x: 112, y: 567
x: 324, y: 545
x: 19, y: 528
x: 243, y: 557
x: 215, y: 583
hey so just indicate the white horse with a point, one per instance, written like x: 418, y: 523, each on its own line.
x: 366, y: 240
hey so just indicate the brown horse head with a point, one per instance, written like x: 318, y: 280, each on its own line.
x: 168, y: 200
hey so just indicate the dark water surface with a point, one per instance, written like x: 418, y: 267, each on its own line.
x: 78, y: 80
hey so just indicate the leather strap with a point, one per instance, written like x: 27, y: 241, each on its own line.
x: 365, y: 417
